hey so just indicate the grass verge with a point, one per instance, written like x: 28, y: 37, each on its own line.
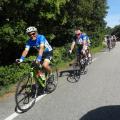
x: 97, y: 49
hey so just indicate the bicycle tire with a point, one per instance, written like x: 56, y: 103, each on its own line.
x: 76, y: 71
x: 26, y: 93
x: 51, y: 84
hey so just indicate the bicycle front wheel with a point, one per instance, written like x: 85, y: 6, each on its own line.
x: 76, y: 71
x: 52, y: 82
x: 26, y: 92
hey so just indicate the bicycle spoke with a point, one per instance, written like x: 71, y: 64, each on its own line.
x: 26, y: 93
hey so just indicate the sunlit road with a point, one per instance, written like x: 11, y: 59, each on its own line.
x: 95, y: 97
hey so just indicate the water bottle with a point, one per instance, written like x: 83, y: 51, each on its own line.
x: 41, y: 75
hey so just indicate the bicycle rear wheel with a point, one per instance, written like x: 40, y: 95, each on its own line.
x: 26, y: 92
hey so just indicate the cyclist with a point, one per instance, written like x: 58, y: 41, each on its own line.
x: 114, y: 39
x: 80, y: 41
x: 40, y: 43
x: 108, y: 38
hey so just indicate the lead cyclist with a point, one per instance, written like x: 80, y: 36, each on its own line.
x: 40, y: 43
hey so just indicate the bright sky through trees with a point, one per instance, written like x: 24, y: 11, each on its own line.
x: 113, y: 16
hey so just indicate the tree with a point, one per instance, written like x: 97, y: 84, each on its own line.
x: 116, y: 31
x: 56, y: 19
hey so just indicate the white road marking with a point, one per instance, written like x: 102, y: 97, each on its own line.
x: 14, y: 115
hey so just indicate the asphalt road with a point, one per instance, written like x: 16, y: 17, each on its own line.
x: 95, y: 97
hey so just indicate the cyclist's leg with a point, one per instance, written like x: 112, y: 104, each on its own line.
x: 46, y: 62
x: 78, y: 53
x: 47, y: 66
x: 84, y: 52
x: 89, y: 55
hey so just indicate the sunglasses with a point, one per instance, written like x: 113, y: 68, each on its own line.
x: 78, y: 34
x: 32, y: 34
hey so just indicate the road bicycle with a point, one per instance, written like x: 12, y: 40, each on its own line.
x: 82, y: 62
x: 79, y: 67
x: 32, y: 84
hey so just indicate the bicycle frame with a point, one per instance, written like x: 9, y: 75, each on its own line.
x: 31, y: 85
x: 34, y: 70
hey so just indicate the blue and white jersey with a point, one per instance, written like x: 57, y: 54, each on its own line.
x: 85, y: 37
x: 40, y: 39
x: 80, y: 40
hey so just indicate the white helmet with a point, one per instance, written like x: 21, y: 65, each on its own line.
x: 31, y: 29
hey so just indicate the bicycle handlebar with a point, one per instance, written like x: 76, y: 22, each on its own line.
x: 33, y: 63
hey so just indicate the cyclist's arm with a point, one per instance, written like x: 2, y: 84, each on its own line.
x: 89, y: 43
x: 24, y: 53
x: 73, y: 45
x: 40, y: 52
x: 41, y: 49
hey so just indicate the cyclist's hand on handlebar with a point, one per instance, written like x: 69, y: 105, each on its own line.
x: 70, y: 51
x: 18, y: 61
x: 37, y: 62
x: 38, y: 59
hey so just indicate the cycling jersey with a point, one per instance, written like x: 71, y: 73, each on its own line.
x: 87, y: 40
x: 40, y: 39
x: 80, y: 41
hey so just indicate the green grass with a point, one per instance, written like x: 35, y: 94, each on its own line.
x: 63, y: 65
x: 7, y: 89
x: 97, y: 49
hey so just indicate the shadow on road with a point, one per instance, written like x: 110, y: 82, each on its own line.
x: 73, y: 75
x: 103, y: 113
x: 69, y: 74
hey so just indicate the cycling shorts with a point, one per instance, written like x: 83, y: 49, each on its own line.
x: 47, y: 56
x: 79, y: 49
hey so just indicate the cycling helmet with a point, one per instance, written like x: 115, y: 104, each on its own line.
x: 31, y: 29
